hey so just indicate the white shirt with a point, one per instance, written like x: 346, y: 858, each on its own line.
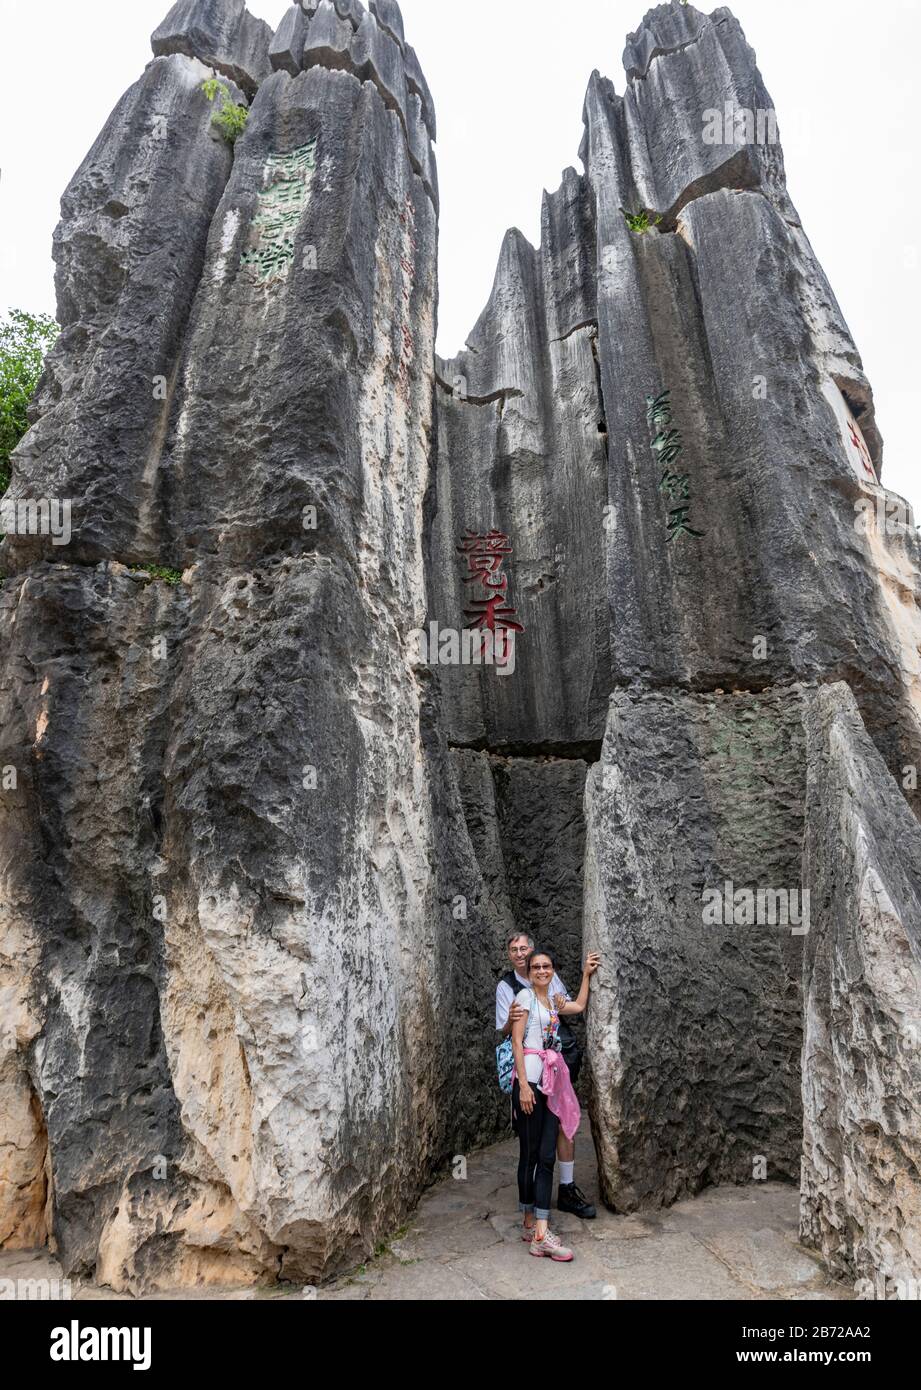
x: 538, y: 1020
x: 505, y: 995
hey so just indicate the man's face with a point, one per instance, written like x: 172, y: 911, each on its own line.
x: 518, y: 952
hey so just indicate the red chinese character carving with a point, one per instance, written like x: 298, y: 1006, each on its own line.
x: 490, y: 617
x: 485, y: 556
x: 862, y: 450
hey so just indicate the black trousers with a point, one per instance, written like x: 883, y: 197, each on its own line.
x: 537, y: 1135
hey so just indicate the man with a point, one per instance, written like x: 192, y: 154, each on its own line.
x: 520, y: 946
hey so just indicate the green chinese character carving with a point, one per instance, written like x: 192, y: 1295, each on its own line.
x: 678, y: 525
x: 288, y: 179
x: 659, y: 410
x: 678, y: 488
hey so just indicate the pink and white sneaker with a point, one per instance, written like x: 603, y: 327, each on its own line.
x: 551, y: 1245
x: 527, y: 1233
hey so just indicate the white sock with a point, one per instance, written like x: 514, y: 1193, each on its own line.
x: 566, y: 1172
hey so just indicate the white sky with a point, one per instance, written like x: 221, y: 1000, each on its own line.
x: 508, y: 78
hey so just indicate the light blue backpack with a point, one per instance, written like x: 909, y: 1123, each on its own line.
x: 505, y: 1058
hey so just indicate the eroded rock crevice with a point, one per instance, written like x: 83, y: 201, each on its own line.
x: 525, y: 816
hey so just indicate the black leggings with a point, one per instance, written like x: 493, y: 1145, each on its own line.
x: 537, y: 1135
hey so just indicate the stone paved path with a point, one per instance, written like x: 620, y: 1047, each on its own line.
x: 463, y: 1243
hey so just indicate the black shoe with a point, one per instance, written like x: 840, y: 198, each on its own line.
x: 569, y: 1198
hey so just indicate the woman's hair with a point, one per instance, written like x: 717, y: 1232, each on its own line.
x: 539, y: 953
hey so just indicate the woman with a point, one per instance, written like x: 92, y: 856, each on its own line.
x: 542, y: 1096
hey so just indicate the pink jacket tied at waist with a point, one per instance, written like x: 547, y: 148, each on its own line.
x: 557, y: 1087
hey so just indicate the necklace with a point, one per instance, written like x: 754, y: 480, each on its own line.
x: 550, y: 1032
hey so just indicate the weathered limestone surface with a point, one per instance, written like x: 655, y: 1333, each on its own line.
x: 258, y: 860
x: 287, y: 48
x: 861, y: 1191
x: 220, y: 33
x: 239, y: 893
x: 522, y: 449
x: 80, y: 689
x: 24, y: 1204
x: 387, y: 13
x: 347, y: 38
x: 695, y: 1028
x: 464, y: 1243
x: 129, y: 252
x: 774, y: 467
x: 527, y: 827
x: 543, y: 431
x: 543, y: 435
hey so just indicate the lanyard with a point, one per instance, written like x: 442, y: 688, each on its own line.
x: 551, y: 1031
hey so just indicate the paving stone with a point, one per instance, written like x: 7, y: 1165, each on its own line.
x: 508, y: 1271
x: 429, y: 1280
x: 751, y: 1207
x: 456, y: 1238
x: 765, y: 1258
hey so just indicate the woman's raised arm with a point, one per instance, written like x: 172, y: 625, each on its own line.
x: 566, y: 1009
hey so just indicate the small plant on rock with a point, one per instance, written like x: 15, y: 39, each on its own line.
x: 230, y: 119
x: 168, y: 576
x: 639, y: 221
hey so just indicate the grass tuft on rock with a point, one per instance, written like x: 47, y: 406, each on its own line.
x: 161, y: 572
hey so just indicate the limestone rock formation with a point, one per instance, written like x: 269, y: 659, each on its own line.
x: 129, y: 253
x: 663, y: 410
x: 696, y: 1030
x: 261, y: 850
x: 225, y: 979
x: 220, y: 33
x: 861, y: 1202
x: 287, y: 50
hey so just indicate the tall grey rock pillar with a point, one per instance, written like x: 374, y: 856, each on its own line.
x: 662, y: 409
x: 861, y: 1197
x: 237, y: 879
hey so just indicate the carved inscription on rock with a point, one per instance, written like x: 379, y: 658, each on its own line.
x: 282, y: 203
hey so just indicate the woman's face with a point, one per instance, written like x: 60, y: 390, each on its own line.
x: 541, y: 971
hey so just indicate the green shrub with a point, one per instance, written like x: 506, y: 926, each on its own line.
x: 230, y: 119
x: 639, y: 221
x: 24, y: 340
